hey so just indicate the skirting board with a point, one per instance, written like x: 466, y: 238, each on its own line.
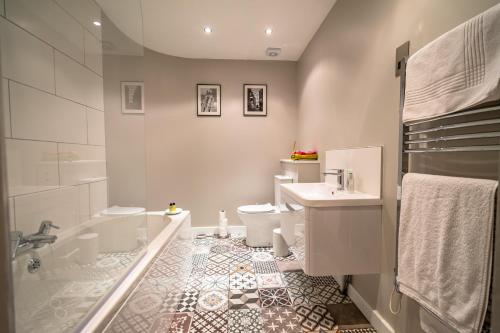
x: 232, y: 229
x: 373, y: 316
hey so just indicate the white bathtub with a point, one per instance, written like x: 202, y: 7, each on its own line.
x: 66, y: 295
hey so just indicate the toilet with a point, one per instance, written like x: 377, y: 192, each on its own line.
x: 261, y: 220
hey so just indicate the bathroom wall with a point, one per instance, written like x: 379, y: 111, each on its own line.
x: 209, y: 163
x: 348, y: 97
x: 53, y: 112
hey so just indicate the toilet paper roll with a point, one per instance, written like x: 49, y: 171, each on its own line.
x: 89, y: 248
x: 222, y: 231
x: 223, y: 222
x: 222, y: 215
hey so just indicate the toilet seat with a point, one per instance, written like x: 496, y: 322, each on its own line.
x: 256, y: 209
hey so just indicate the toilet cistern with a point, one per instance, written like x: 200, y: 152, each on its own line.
x: 340, y: 173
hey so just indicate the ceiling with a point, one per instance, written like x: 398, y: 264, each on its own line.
x: 175, y: 27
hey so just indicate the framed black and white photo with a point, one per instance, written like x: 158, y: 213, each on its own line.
x: 209, y: 99
x: 132, y: 97
x: 255, y: 100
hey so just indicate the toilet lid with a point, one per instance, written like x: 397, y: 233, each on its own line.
x: 253, y: 209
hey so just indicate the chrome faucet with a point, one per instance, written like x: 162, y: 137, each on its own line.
x: 21, y: 244
x: 340, y: 173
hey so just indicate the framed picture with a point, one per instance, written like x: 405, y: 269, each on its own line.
x: 209, y: 99
x: 132, y: 97
x: 255, y: 100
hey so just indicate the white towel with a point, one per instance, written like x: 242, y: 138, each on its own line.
x: 458, y: 70
x: 445, y: 240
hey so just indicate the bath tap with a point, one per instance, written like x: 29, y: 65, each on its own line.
x: 340, y: 173
x: 21, y: 244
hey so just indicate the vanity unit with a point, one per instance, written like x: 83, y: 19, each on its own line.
x: 339, y: 232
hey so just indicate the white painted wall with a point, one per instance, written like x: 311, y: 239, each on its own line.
x: 53, y: 111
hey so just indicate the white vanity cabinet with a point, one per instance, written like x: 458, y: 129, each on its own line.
x: 338, y: 240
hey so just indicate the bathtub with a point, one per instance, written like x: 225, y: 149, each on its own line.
x: 70, y: 293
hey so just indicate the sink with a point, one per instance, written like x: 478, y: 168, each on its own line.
x: 336, y: 233
x: 326, y: 195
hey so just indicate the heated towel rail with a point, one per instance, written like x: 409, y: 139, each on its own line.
x: 465, y: 144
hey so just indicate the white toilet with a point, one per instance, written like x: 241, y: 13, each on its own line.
x: 260, y: 220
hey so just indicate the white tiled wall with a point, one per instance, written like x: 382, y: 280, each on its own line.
x: 95, y: 120
x: 81, y: 163
x: 78, y: 83
x: 49, y: 22
x: 25, y: 58
x: 38, y: 115
x: 93, y: 53
x: 53, y: 111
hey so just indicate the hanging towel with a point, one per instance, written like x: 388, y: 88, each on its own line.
x: 456, y: 71
x: 445, y: 240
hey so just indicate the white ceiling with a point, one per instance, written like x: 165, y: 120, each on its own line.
x: 175, y: 27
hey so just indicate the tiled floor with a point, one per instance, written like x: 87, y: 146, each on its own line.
x: 214, y: 285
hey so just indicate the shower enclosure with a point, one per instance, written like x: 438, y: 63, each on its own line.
x: 61, y: 104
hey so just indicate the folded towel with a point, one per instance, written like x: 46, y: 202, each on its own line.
x: 458, y: 70
x: 304, y: 157
x: 445, y: 240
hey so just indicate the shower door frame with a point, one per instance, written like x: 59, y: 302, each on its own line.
x: 7, y: 317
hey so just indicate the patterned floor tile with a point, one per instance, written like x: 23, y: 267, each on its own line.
x: 199, y: 259
x: 188, y: 300
x: 260, y: 248
x: 243, y: 299
x: 241, y: 269
x: 314, y: 317
x: 216, y: 269
x: 221, y: 249
x: 297, y: 278
x: 289, y: 257
x: 239, y: 243
x: 171, y: 302
x: 270, y: 280
x: 201, y: 249
x: 215, y: 282
x: 288, y: 266
x: 262, y: 256
x: 300, y: 294
x: 209, y: 322
x: 172, y: 323
x: 219, y: 258
x: 242, y: 257
x: 220, y: 285
x: 207, y: 241
x: 213, y: 300
x: 195, y: 281
x: 359, y: 330
x: 244, y: 321
x: 274, y: 297
x: 265, y: 267
x: 242, y: 281
x: 280, y: 320
x: 317, y: 295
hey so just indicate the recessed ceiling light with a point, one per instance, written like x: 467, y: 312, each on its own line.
x: 269, y: 31
x: 97, y: 23
x: 207, y: 30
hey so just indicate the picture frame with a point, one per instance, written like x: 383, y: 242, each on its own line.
x: 132, y: 97
x: 255, y: 100
x: 209, y: 100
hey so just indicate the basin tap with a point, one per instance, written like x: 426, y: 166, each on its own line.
x: 21, y: 244
x: 340, y: 173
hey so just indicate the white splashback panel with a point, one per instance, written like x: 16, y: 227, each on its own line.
x: 365, y: 163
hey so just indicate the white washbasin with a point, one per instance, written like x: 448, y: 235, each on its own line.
x: 326, y: 195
